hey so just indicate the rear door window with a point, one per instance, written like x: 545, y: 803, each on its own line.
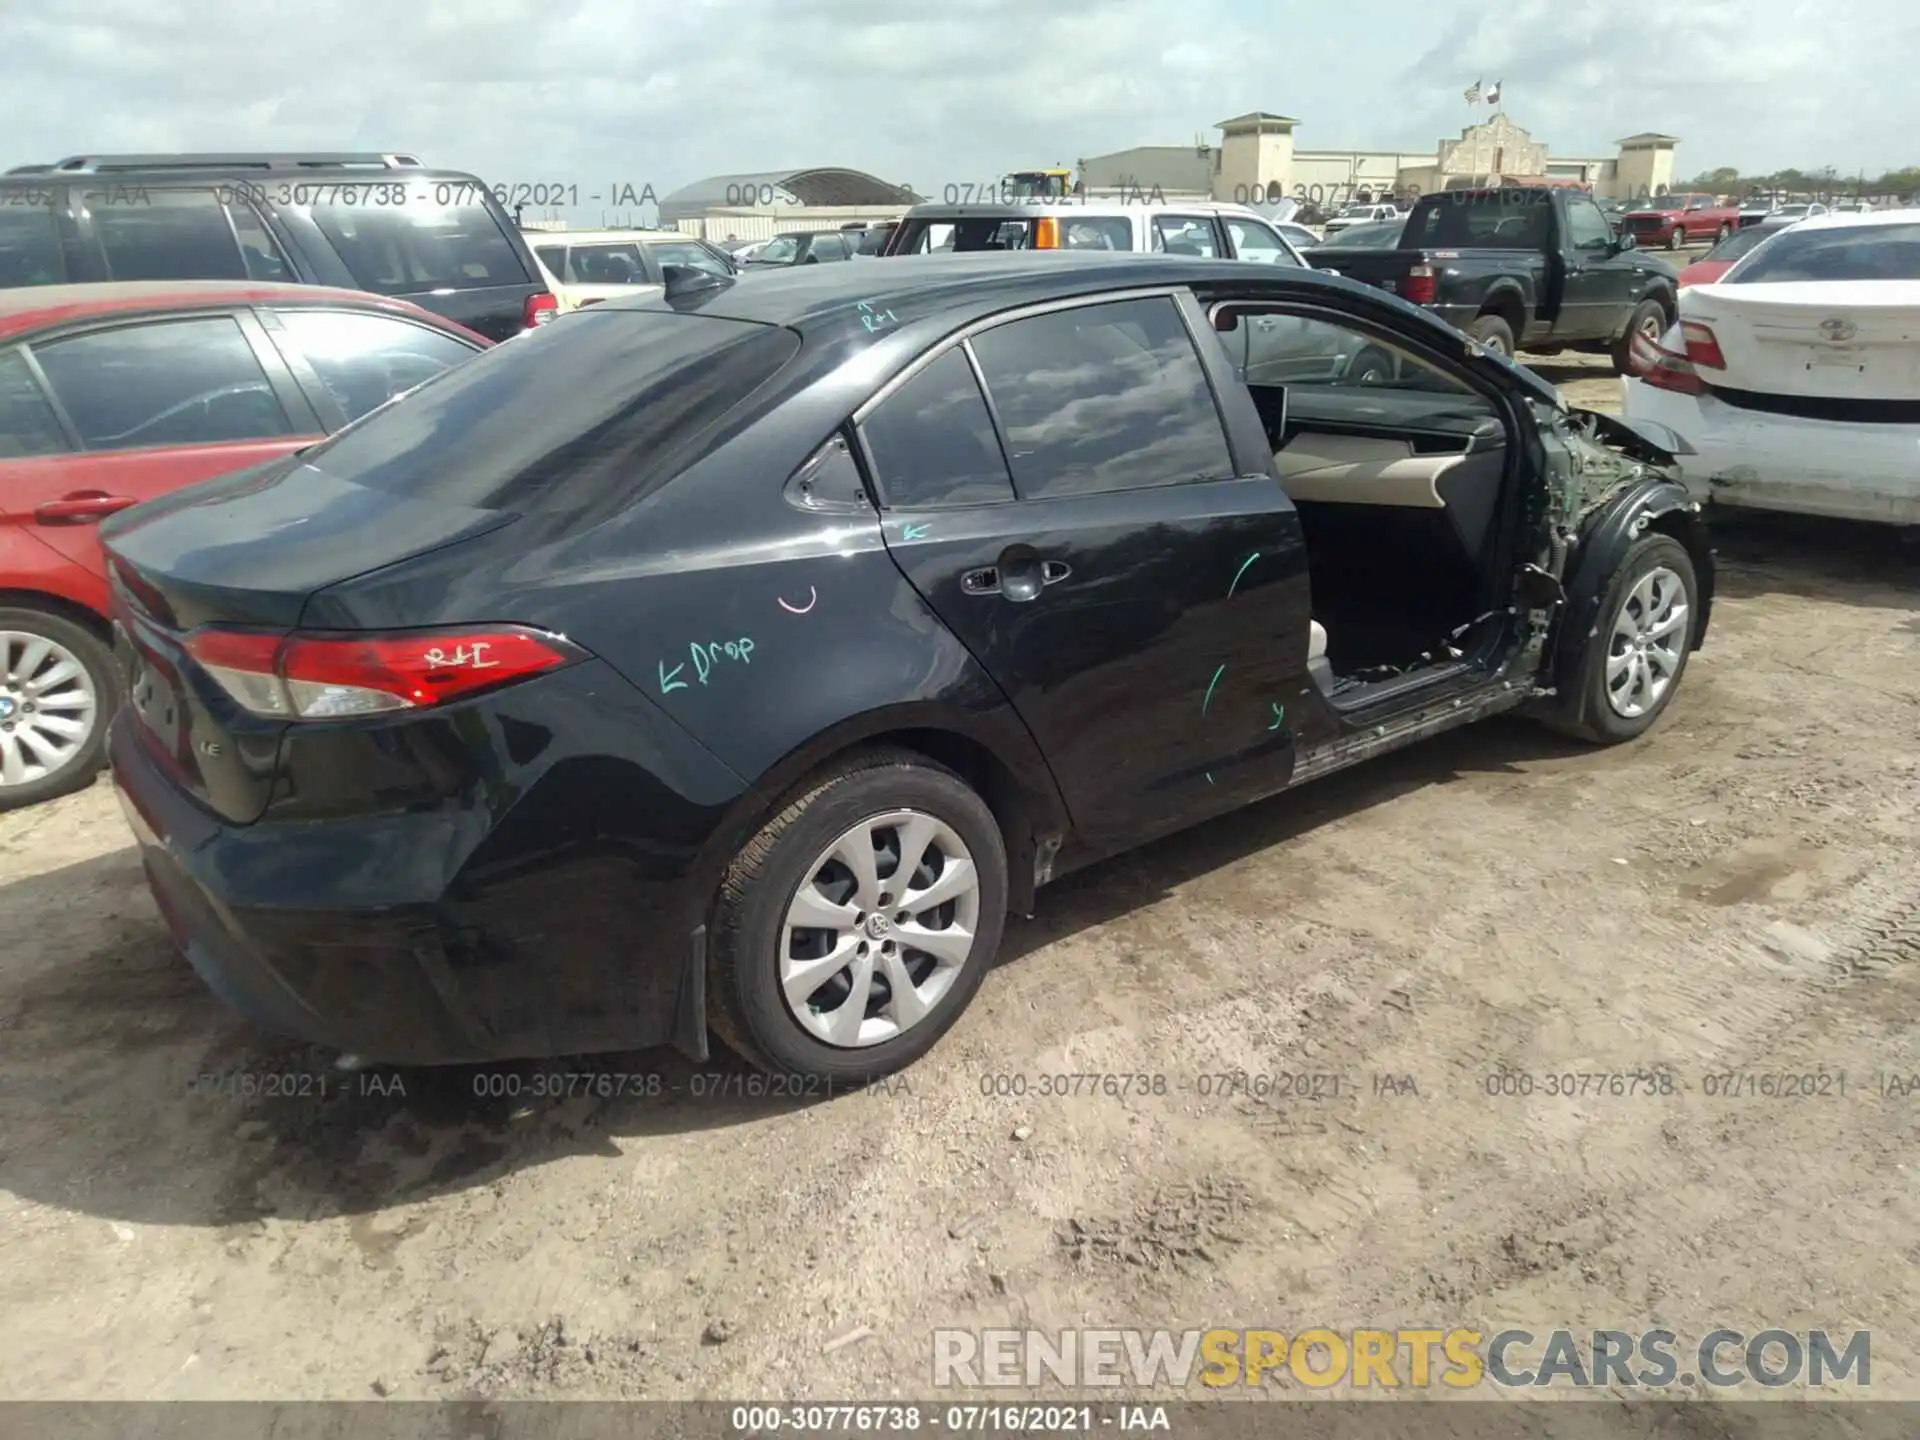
x: 29, y: 240
x: 606, y: 265
x: 363, y: 360
x: 1101, y: 398
x: 932, y: 440
x: 690, y: 253
x: 167, y: 235
x: 170, y: 382
x: 1255, y: 242
x: 419, y: 247
x: 28, y: 425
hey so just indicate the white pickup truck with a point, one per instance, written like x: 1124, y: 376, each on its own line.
x: 1353, y: 215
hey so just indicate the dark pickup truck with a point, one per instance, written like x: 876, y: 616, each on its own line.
x: 1521, y: 268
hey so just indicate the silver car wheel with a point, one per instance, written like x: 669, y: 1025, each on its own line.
x: 1648, y: 644
x: 48, y: 707
x: 879, y: 930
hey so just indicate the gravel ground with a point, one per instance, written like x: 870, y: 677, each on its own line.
x: 1737, y: 892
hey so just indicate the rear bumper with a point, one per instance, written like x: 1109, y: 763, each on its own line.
x: 1844, y: 469
x: 446, y: 934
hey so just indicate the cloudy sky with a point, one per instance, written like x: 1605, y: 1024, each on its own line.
x: 608, y: 92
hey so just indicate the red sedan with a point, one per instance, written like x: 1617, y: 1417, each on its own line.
x: 1717, y: 261
x: 111, y: 395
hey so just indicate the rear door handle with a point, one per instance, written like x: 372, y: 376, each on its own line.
x: 78, y: 509
x: 984, y: 581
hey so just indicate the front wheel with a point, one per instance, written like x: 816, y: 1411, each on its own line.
x: 1638, y: 647
x: 57, y: 691
x: 854, y: 928
x: 1673, y: 238
x: 1722, y: 233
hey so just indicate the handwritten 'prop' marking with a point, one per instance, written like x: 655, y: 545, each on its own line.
x: 703, y: 655
x: 1241, y: 571
x: 813, y: 599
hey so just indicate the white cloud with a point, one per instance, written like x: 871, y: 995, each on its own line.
x: 600, y: 92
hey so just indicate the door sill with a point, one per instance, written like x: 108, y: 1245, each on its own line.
x: 1351, y: 697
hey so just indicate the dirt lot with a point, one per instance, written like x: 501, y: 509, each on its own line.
x: 1739, y: 892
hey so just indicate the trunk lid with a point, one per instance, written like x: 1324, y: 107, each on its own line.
x: 1851, y: 340
x: 247, y: 550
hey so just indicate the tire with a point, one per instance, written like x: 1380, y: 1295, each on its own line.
x: 1369, y: 367
x: 747, y: 1006
x: 1674, y: 238
x: 85, y: 688
x: 1646, y: 315
x: 1493, y: 333
x: 1591, y: 713
x: 1722, y: 233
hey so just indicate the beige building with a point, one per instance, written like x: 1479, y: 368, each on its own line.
x: 1257, y: 160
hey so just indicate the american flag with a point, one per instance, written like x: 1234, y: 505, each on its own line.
x: 1473, y: 93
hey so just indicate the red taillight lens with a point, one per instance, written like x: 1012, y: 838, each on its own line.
x: 1419, y: 287
x: 326, y: 677
x: 540, y: 309
x: 1702, y: 347
x: 1664, y: 369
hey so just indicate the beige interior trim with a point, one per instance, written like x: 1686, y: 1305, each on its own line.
x: 1362, y: 470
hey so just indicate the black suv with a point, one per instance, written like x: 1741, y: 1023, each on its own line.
x: 382, y: 223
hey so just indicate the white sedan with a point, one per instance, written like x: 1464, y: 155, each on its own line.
x: 1796, y: 377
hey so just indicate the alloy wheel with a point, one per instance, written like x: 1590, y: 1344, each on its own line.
x: 879, y: 929
x: 1648, y: 644
x: 48, y: 707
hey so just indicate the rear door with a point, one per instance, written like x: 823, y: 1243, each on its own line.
x: 156, y: 404
x: 1061, y: 490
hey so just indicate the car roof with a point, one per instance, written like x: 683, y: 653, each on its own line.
x: 32, y: 307
x: 1853, y: 219
x: 1019, y: 209
x: 600, y: 237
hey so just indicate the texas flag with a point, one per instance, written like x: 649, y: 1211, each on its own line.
x: 1493, y: 93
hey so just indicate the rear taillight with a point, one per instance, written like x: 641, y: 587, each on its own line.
x: 1046, y: 233
x: 540, y: 309
x: 330, y: 677
x: 1702, y: 347
x: 1664, y: 369
x: 1419, y: 286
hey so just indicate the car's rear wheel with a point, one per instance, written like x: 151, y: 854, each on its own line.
x: 1650, y: 321
x: 856, y: 926
x: 1494, y: 334
x: 57, y: 692
x: 1638, y: 647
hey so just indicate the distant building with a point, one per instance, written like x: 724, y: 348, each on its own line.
x: 758, y: 204
x: 1256, y: 160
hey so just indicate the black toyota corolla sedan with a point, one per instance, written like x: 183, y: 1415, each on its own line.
x: 733, y: 661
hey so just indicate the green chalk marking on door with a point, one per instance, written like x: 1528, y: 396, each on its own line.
x: 1210, y: 684
x: 914, y: 532
x: 1279, y: 714
x: 1241, y: 571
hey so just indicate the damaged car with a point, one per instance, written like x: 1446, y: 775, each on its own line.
x: 730, y: 662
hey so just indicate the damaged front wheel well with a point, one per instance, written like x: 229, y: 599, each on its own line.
x: 1684, y: 523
